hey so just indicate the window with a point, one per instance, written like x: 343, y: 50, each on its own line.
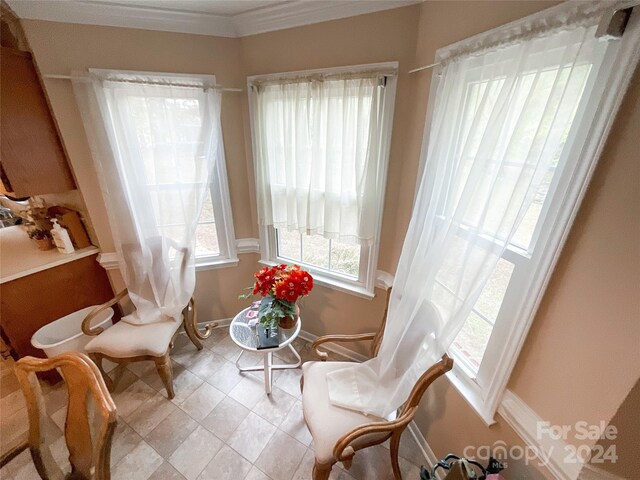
x: 215, y: 240
x: 160, y: 148
x: 588, y: 90
x: 321, y: 145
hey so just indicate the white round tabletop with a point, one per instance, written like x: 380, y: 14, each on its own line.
x: 246, y: 337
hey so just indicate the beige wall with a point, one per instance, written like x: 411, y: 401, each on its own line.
x: 626, y: 441
x: 585, y: 343
x: 581, y: 357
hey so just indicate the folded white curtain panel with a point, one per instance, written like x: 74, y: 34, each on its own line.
x: 501, y: 118
x: 318, y: 159
x: 154, y: 147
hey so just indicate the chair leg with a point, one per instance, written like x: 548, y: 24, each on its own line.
x: 394, y: 448
x: 163, y: 366
x: 189, y: 322
x: 188, y: 327
x: 321, y: 471
x: 97, y: 359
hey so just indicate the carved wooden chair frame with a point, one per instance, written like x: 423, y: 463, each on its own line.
x: 344, y: 451
x: 89, y: 455
x: 162, y: 362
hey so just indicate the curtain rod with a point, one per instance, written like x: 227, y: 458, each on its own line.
x: 419, y: 69
x: 217, y: 87
x: 612, y: 24
x: 302, y: 77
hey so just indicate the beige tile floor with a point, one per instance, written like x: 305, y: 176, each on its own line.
x: 220, y: 425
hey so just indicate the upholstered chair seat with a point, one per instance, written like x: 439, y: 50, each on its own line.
x: 326, y: 422
x: 151, y: 339
x: 338, y: 433
x: 124, y: 340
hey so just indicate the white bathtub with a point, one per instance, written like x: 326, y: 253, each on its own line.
x: 65, y: 334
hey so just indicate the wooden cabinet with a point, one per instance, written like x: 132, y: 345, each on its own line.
x: 32, y: 159
x: 35, y: 300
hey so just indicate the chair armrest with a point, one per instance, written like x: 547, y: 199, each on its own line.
x: 343, y: 451
x: 337, y: 338
x: 86, y: 323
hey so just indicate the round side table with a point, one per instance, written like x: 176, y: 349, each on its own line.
x: 245, y: 337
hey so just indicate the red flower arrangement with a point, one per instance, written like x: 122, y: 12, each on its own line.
x: 285, y: 284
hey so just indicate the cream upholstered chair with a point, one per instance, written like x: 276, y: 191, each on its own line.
x: 338, y: 433
x: 90, y: 423
x: 124, y: 342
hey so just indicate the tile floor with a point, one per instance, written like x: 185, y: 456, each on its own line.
x: 220, y: 425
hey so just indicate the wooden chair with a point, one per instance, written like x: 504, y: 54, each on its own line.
x: 124, y: 343
x: 339, y: 433
x: 88, y: 439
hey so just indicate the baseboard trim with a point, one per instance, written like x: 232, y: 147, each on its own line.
x: 524, y: 422
x: 222, y: 323
x: 427, y: 452
x: 590, y: 472
x: 335, y: 348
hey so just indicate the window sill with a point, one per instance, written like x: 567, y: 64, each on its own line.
x: 332, y: 283
x: 211, y: 264
x: 471, y: 392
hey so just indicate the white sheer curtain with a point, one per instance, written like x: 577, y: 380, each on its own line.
x: 500, y: 119
x: 154, y: 146
x: 318, y: 159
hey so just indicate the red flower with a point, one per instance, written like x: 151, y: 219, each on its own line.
x: 286, y: 290
x: 283, y: 282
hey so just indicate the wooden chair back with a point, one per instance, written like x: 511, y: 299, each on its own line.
x: 377, y: 339
x: 436, y: 370
x: 88, y: 437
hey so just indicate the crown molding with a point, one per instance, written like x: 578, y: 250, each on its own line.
x: 300, y: 12
x: 274, y: 17
x: 127, y: 16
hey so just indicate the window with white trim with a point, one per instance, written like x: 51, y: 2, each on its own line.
x: 486, y: 348
x: 215, y: 239
x: 215, y: 242
x: 336, y: 258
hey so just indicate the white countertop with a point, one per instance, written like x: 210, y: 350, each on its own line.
x: 19, y: 255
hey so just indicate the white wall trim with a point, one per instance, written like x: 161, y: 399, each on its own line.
x: 590, y: 472
x: 128, y: 16
x: 524, y: 422
x: 426, y: 450
x: 334, y: 347
x: 108, y: 261
x: 248, y: 245
x: 260, y: 20
x: 223, y: 322
x: 298, y: 13
x: 384, y: 280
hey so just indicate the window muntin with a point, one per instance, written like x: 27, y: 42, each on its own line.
x: 331, y: 256
x: 472, y: 341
